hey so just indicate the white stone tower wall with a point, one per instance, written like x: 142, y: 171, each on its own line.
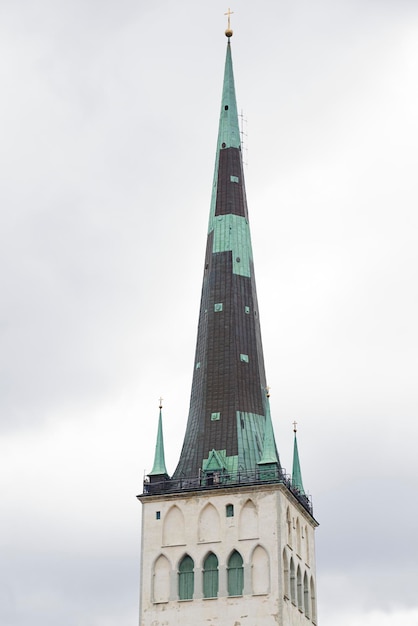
x: 269, y: 528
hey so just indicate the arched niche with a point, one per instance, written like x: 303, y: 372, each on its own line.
x: 248, y: 521
x: 299, y: 588
x: 260, y: 571
x: 173, y: 530
x: 289, y: 527
x: 306, y: 603
x: 292, y: 581
x: 161, y: 579
x: 209, y: 524
x: 313, y: 600
x: 298, y: 537
x: 307, y: 559
x: 286, y: 574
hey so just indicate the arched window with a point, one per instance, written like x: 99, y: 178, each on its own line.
x: 186, y: 578
x: 306, y: 595
x: 235, y: 574
x: 307, y: 545
x: 210, y: 576
x: 292, y: 581
x: 286, y: 574
x: 300, y: 591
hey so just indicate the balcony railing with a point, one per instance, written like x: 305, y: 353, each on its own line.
x: 210, y: 480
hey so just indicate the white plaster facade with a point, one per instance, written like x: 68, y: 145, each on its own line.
x: 269, y: 528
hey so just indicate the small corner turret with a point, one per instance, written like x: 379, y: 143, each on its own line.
x: 159, y: 470
x: 296, y: 471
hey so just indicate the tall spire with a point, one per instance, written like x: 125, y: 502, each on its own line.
x: 159, y: 468
x: 228, y: 421
x: 296, y: 473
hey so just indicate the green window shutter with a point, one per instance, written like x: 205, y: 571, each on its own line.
x: 210, y: 576
x: 186, y: 578
x: 235, y: 574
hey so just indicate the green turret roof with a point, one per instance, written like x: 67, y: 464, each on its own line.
x: 159, y: 468
x: 296, y: 473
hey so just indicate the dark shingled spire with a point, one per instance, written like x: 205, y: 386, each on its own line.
x: 229, y: 415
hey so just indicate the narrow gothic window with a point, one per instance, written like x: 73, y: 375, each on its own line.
x: 230, y: 510
x: 298, y: 538
x: 306, y: 594
x: 235, y: 574
x: 286, y: 574
x: 210, y: 576
x: 292, y: 581
x: 299, y: 583
x: 313, y: 601
x: 289, y: 527
x: 186, y: 578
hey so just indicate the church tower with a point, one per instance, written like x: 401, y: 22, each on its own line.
x: 228, y: 539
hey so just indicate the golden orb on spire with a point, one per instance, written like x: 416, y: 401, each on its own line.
x: 229, y: 32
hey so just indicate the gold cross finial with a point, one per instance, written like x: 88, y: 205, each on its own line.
x: 229, y: 32
x: 160, y: 403
x: 294, y: 426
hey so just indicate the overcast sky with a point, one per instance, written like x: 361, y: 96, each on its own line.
x: 108, y: 117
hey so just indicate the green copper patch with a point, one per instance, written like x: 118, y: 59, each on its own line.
x: 232, y: 233
x: 250, y: 427
x: 218, y: 460
x: 269, y: 456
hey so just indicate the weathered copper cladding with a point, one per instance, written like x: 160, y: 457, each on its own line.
x: 228, y: 406
x: 230, y: 196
